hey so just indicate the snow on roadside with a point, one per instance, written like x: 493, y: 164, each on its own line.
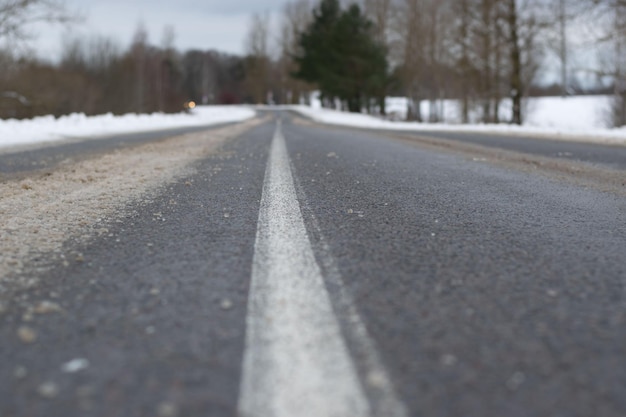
x: 48, y: 128
x: 572, y: 112
x: 573, y: 119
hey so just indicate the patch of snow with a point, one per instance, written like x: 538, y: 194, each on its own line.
x: 584, y: 112
x: 49, y: 129
x: 574, y: 112
x: 570, y: 118
x: 581, y: 118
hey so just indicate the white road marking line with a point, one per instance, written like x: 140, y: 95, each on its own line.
x: 377, y: 384
x: 296, y: 362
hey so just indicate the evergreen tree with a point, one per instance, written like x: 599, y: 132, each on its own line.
x: 314, y: 61
x: 339, y: 53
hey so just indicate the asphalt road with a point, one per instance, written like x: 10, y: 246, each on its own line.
x: 437, y: 283
x: 610, y: 156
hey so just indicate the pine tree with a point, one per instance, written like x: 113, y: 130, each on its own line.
x: 339, y: 53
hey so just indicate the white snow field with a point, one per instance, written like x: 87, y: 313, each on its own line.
x: 581, y: 118
x: 74, y: 126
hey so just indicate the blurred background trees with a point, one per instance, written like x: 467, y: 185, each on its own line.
x: 258, y: 60
x: 612, y: 41
x: 16, y: 18
x: 487, y: 54
x: 96, y: 75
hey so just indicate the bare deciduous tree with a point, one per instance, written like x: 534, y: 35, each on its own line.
x: 17, y: 15
x: 490, y: 44
x: 139, y: 51
x: 296, y: 17
x: 258, y: 58
x: 613, y: 14
x: 463, y: 10
x: 478, y: 51
x: 165, y: 70
x: 523, y: 31
x: 409, y: 47
x: 438, y: 32
x: 379, y: 11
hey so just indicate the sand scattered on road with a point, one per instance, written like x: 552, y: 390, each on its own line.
x: 74, y: 200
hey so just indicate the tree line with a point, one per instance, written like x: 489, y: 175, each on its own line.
x: 480, y: 52
x: 96, y: 76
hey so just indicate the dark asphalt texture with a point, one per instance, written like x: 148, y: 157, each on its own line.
x: 597, y: 154
x: 487, y: 291
x: 612, y: 156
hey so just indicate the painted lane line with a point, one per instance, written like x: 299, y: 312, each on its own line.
x: 380, y: 391
x: 384, y: 401
x: 296, y: 362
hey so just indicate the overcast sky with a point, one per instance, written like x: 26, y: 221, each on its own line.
x: 201, y: 24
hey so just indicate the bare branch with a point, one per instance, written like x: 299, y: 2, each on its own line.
x: 17, y: 15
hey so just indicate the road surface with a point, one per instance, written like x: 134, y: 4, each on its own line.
x: 307, y: 270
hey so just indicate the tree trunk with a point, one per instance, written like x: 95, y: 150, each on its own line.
x: 563, y: 47
x: 414, y: 111
x: 517, y: 87
x: 487, y: 86
x: 465, y: 61
x: 383, y: 105
x: 497, y: 70
x: 417, y: 98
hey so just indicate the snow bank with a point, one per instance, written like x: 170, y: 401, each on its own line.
x: 570, y: 118
x: 49, y: 128
x: 577, y: 112
x: 583, y: 112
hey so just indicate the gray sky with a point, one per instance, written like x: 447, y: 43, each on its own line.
x: 201, y: 24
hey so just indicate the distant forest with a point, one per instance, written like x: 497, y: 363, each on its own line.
x: 95, y: 76
x: 480, y: 52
